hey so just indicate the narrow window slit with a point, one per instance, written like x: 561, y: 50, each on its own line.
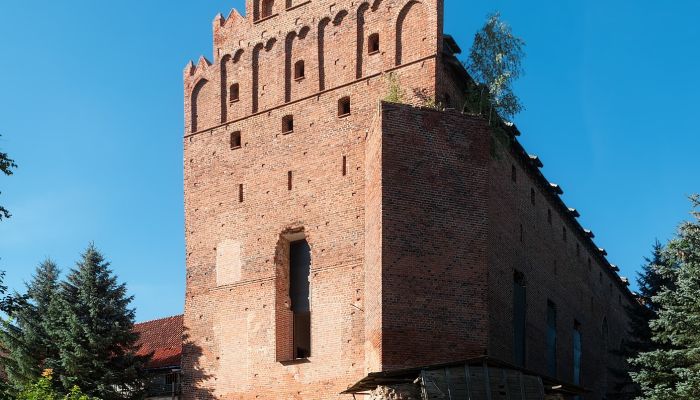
x: 299, y: 294
x: 299, y: 71
x: 345, y: 165
x: 234, y: 93
x: 519, y: 318
x: 288, y: 124
x: 240, y: 193
x: 289, y: 180
x: 521, y: 233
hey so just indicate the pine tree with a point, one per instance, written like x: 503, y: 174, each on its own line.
x: 97, y: 344
x: 650, y: 282
x: 6, y: 166
x: 672, y: 371
x: 25, y: 335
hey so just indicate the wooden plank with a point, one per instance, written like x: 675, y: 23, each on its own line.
x: 466, y: 374
x: 505, y: 384
x: 522, y: 386
x: 488, y: 381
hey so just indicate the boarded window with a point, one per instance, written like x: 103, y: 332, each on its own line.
x: 577, y: 348
x: 299, y: 294
x: 373, y: 43
x: 519, y: 314
x: 551, y: 339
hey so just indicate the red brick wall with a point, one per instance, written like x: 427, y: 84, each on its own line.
x: 577, y: 291
x: 237, y: 328
x: 412, y: 249
x: 434, y: 236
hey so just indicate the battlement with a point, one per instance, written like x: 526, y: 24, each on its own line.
x: 283, y: 51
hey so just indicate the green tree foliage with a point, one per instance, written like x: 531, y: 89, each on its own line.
x: 6, y: 167
x: 495, y: 62
x: 6, y: 302
x: 672, y: 371
x: 95, y: 334
x: 25, y: 335
x: 395, y: 93
x: 44, y: 389
x: 650, y: 282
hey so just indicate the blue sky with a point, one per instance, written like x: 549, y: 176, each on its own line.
x: 91, y: 109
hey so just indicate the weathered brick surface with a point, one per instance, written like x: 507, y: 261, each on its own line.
x: 408, y: 216
x: 554, y: 270
x: 434, y: 236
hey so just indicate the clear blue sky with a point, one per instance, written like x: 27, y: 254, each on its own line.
x: 91, y: 109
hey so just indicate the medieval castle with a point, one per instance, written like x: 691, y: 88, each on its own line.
x: 333, y: 236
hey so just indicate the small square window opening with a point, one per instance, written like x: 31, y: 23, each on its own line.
x: 373, y: 44
x: 235, y: 140
x: 344, y: 107
x: 288, y: 124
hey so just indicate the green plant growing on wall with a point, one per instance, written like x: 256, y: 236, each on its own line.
x: 395, y: 93
x: 495, y: 62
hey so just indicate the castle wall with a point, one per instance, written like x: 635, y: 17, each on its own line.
x: 331, y: 38
x: 434, y: 236
x: 236, y: 312
x: 410, y: 220
x: 555, y: 269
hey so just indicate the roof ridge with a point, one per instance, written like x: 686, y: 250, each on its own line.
x: 159, y: 319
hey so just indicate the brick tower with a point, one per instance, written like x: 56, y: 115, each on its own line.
x: 331, y: 234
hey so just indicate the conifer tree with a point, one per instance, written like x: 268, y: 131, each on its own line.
x: 650, y: 282
x: 97, y: 342
x: 672, y: 370
x: 6, y: 166
x: 26, y: 335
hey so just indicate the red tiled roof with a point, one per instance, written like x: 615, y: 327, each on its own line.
x: 163, y: 338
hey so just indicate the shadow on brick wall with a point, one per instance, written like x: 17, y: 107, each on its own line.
x: 195, y: 381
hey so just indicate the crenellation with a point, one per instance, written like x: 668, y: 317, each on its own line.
x: 414, y: 229
x: 260, y: 54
